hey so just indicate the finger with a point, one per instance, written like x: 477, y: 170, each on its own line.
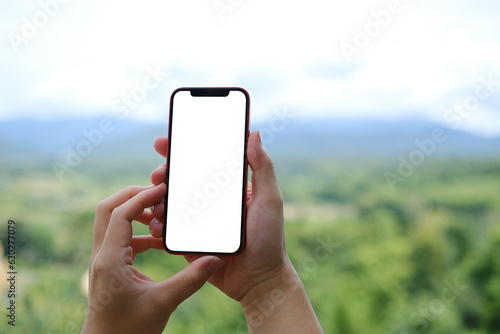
x: 156, y: 222
x: 249, y: 190
x: 158, y: 175
x: 156, y: 227
x: 141, y: 243
x: 104, y: 210
x: 265, y: 186
x: 192, y: 257
x: 145, y: 217
x: 188, y: 281
x: 119, y: 232
x: 161, y: 145
x: 158, y: 209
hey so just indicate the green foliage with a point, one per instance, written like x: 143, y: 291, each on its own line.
x: 387, y: 267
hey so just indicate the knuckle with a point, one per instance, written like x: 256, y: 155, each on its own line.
x: 277, y: 200
x: 116, y: 213
x: 102, y: 207
x: 268, y: 162
x: 98, y: 266
x: 195, y: 282
x: 132, y: 190
x: 164, y: 302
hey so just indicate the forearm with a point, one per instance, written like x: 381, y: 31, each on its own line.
x: 280, y: 306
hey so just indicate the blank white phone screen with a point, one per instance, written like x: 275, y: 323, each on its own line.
x: 204, y: 202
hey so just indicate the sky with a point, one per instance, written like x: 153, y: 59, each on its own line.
x: 347, y: 59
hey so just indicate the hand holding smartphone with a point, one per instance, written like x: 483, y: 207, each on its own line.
x: 206, y: 176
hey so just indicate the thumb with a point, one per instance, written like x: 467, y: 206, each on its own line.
x: 264, y: 182
x: 187, y: 281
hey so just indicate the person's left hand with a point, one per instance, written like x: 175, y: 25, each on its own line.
x: 121, y: 298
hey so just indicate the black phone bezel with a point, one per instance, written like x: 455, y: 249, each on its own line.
x: 216, y: 92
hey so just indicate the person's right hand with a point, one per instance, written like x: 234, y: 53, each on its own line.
x: 262, y: 273
x: 264, y: 262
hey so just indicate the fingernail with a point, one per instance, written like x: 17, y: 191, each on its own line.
x: 259, y: 139
x: 215, y: 264
x: 153, y: 223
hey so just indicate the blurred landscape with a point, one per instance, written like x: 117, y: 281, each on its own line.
x: 417, y: 235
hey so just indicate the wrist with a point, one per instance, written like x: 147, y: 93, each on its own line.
x: 273, y: 291
x: 103, y: 326
x: 93, y: 327
x: 280, y: 305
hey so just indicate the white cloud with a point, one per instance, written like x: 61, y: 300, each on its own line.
x: 93, y: 51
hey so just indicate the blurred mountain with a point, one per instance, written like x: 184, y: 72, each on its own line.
x: 26, y: 143
x: 380, y: 139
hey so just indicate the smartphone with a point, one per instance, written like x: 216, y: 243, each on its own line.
x: 205, y: 202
